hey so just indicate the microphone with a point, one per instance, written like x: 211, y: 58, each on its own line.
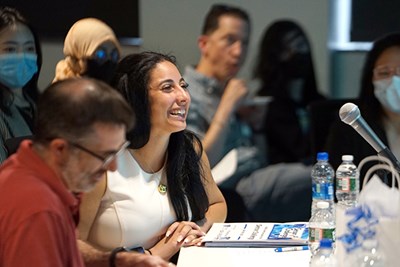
x: 350, y: 114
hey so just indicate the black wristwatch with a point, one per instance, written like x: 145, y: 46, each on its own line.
x: 115, y: 251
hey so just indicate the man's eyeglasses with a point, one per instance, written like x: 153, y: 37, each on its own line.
x: 106, y: 161
x: 384, y: 72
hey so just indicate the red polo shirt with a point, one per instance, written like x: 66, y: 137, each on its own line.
x: 37, y: 212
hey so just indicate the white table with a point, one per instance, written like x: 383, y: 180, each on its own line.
x: 243, y: 257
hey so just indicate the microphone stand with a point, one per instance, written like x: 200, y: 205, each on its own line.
x: 388, y: 154
x: 396, y: 164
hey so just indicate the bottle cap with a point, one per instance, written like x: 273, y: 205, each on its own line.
x: 322, y: 156
x: 347, y: 157
x: 322, y: 205
x: 325, y: 243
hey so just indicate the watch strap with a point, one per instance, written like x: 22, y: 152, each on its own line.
x: 115, y: 251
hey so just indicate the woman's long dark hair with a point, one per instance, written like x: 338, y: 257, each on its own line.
x: 270, y: 68
x: 369, y: 104
x: 183, y: 168
x: 8, y: 18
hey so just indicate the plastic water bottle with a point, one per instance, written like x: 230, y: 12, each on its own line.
x: 370, y: 254
x: 322, y: 175
x: 321, y: 226
x: 347, y: 191
x: 325, y: 256
x: 347, y: 182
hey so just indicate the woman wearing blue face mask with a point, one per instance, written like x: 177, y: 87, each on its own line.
x: 20, y: 62
x: 379, y: 103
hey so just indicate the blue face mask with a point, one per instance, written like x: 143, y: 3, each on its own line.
x: 387, y: 91
x: 16, y: 70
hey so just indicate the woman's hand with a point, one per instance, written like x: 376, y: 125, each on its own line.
x: 178, y: 234
x: 188, y: 232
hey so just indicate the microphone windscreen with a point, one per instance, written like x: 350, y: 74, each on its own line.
x: 349, y: 112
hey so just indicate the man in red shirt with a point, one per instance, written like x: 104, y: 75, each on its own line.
x: 80, y: 130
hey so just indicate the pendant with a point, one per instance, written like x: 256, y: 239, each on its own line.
x: 162, y: 188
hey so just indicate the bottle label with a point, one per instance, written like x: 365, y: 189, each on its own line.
x: 316, y: 234
x: 346, y: 184
x: 322, y: 191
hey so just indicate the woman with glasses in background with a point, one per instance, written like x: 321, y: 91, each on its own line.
x: 379, y: 103
x: 91, y: 49
x: 20, y: 62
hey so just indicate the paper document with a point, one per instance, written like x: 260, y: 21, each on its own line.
x: 226, y: 167
x: 256, y: 234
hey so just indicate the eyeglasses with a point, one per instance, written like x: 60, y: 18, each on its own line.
x: 384, y: 72
x: 106, y: 161
x: 101, y: 55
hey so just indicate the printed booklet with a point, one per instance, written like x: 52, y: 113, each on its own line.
x: 254, y: 234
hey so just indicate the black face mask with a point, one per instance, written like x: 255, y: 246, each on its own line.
x: 101, y: 71
x: 298, y: 66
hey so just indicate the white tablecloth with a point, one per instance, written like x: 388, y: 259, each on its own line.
x: 243, y: 257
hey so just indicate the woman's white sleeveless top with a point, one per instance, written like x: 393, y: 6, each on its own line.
x: 132, y: 212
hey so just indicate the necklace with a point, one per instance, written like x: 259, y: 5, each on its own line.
x: 162, y: 187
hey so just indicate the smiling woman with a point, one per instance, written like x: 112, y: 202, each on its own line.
x: 168, y: 95
x: 162, y: 196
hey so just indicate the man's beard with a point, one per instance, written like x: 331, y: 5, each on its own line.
x: 79, y: 181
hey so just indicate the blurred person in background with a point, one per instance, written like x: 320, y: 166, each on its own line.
x: 269, y: 192
x: 91, y: 49
x: 286, y: 72
x: 20, y: 63
x: 379, y: 104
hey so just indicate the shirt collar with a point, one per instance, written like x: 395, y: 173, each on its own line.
x: 211, y: 84
x: 29, y: 159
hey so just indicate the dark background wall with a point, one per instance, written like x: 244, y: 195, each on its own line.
x: 53, y: 18
x: 373, y: 18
